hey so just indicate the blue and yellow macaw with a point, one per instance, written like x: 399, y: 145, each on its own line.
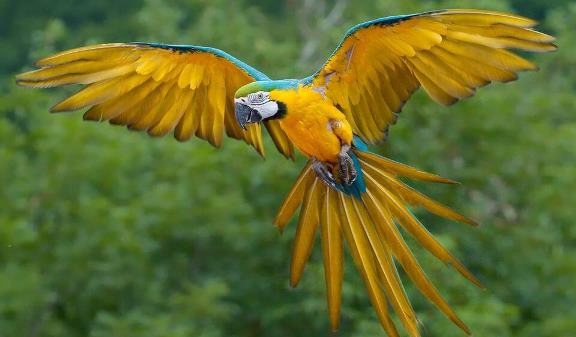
x: 344, y: 190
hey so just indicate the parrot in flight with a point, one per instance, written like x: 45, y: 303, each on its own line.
x: 344, y: 191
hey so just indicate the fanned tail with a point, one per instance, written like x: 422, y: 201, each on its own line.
x: 369, y: 223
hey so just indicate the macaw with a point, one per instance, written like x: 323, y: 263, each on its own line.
x: 344, y: 191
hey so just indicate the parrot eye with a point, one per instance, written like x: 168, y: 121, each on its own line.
x: 257, y: 98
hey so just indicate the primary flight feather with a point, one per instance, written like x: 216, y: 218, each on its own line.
x: 344, y: 191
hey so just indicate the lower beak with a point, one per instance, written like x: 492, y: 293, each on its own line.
x: 246, y: 115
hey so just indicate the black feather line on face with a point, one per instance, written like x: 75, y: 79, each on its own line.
x: 282, y: 110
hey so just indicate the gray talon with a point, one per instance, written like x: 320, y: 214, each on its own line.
x: 323, y: 172
x: 346, y: 168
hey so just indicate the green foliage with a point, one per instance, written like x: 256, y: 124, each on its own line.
x: 105, y: 232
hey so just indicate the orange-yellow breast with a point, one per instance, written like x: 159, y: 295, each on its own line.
x: 313, y: 124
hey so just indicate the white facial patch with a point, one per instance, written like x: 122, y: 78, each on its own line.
x: 267, y: 109
x: 260, y: 101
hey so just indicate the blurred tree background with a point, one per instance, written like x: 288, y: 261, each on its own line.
x: 107, y: 233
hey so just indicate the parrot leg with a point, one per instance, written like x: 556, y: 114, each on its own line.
x: 323, y: 172
x: 346, y: 168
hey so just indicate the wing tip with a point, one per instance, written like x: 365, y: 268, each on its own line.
x: 59, y: 107
x: 22, y: 83
x: 334, y: 327
x: 22, y: 80
x: 553, y: 46
x: 291, y: 156
x: 294, y: 280
x: 280, y: 230
x: 23, y: 76
x: 447, y: 181
x: 467, y: 274
x: 53, y: 59
x: 525, y: 21
x: 471, y: 222
x: 460, y: 323
x: 178, y: 137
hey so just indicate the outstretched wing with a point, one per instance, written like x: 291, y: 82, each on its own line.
x: 188, y: 90
x: 450, y: 53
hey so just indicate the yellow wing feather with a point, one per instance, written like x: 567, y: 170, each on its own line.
x: 306, y: 230
x: 388, y: 274
x: 295, y: 197
x: 332, y: 251
x: 155, y: 88
x: 283, y: 144
x: 390, y: 233
x: 370, y: 225
x: 363, y: 256
x: 449, y: 53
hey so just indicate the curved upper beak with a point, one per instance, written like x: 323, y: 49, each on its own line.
x: 245, y: 114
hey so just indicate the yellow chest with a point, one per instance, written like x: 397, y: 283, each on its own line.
x: 307, y: 122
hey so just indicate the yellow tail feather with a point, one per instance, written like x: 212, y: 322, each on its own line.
x: 370, y: 226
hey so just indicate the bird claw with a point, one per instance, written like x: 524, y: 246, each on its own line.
x: 323, y: 172
x: 346, y: 168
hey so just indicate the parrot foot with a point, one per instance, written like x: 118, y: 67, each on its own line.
x: 346, y: 168
x: 323, y: 171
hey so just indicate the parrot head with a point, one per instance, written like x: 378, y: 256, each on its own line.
x: 254, y: 108
x: 253, y: 104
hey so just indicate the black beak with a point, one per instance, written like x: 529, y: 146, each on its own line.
x: 246, y: 115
